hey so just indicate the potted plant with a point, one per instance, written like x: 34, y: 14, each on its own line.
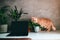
x: 35, y: 27
x: 3, y: 19
x: 15, y: 15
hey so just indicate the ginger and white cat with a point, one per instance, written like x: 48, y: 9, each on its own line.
x: 44, y: 22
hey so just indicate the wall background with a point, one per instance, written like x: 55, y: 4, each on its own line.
x: 40, y: 8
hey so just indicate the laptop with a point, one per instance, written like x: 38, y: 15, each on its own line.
x: 19, y: 28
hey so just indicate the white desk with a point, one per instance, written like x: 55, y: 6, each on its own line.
x: 36, y: 36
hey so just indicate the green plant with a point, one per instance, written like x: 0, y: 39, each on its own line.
x: 14, y: 14
x: 32, y: 25
x: 3, y: 16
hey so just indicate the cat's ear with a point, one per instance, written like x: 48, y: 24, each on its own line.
x: 34, y: 17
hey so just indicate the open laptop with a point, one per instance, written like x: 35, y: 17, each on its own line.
x: 19, y: 28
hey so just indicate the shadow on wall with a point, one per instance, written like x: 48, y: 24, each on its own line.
x: 6, y: 2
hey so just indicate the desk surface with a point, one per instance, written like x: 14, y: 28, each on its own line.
x: 32, y: 35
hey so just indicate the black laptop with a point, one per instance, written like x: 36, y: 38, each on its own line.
x: 19, y: 28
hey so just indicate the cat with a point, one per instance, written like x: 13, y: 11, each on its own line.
x: 44, y: 22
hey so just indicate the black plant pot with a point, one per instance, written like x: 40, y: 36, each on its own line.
x: 19, y: 28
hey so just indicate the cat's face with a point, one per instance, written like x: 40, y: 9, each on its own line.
x: 34, y: 19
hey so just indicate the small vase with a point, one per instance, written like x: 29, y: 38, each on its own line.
x: 3, y: 28
x: 37, y: 29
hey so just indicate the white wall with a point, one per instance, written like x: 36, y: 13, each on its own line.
x: 40, y: 8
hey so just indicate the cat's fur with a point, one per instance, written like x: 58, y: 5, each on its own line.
x: 44, y: 22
